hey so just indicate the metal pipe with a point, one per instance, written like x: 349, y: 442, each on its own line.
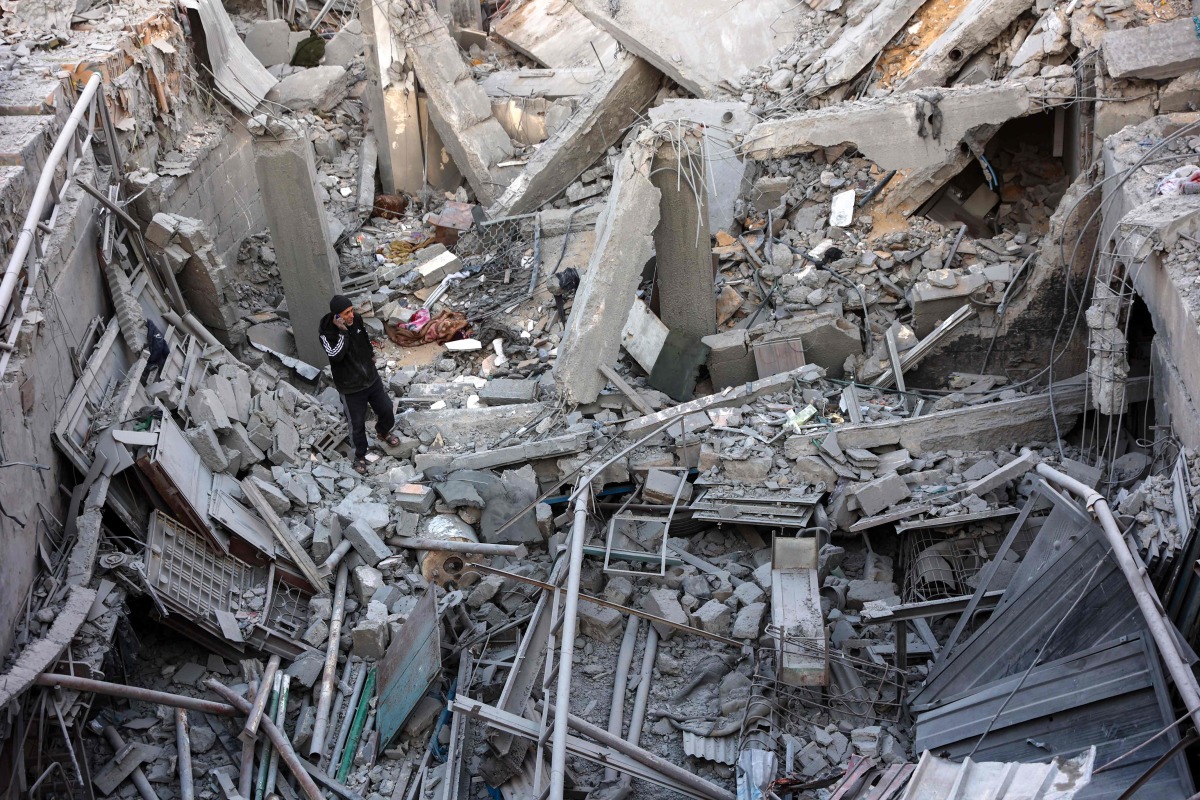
x: 347, y: 720
x: 250, y: 732
x: 134, y: 693
x: 183, y: 750
x: 325, y: 698
x: 1147, y: 599
x: 264, y: 761
x: 356, y: 729
x: 277, y: 738
x: 638, y: 717
x: 676, y: 773
x: 455, y: 546
x: 562, y: 697
x: 280, y: 722
x: 137, y: 776
x: 43, y: 193
x: 616, y: 710
x: 335, y: 557
x: 246, y: 775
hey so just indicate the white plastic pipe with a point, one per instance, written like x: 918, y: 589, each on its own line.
x: 1147, y: 599
x: 43, y: 193
x: 616, y: 711
x: 562, y: 697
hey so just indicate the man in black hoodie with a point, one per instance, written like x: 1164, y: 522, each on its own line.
x: 352, y: 361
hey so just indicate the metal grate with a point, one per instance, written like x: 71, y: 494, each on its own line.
x: 184, y: 568
x: 941, y: 564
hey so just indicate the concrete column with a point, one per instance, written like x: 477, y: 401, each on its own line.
x: 308, y: 265
x: 682, y: 245
x: 393, y: 106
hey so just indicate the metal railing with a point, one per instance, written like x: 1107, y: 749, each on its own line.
x: 72, y: 144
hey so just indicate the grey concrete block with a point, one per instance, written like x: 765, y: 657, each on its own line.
x: 415, y: 497
x: 665, y: 603
x: 749, y: 620
x: 601, y: 623
x: 504, y: 391
x: 880, y: 494
x: 367, y: 581
x: 366, y: 542
x: 204, y: 440
x: 714, y: 617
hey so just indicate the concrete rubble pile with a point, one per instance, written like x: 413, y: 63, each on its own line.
x: 779, y: 387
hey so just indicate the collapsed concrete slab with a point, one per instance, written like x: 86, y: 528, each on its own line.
x: 616, y: 101
x: 904, y: 131
x: 459, y: 109
x: 392, y: 99
x: 555, y: 34
x: 859, y: 43
x: 624, y: 243
x: 725, y: 123
x: 1164, y: 50
x: 976, y: 26
x: 736, y: 36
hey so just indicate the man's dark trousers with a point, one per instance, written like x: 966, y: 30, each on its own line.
x: 377, y: 398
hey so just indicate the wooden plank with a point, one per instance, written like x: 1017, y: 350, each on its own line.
x: 297, y: 553
x: 627, y: 390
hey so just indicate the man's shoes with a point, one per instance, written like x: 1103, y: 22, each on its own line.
x: 360, y: 466
x: 392, y: 440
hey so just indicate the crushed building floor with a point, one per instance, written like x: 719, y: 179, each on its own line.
x: 794, y: 401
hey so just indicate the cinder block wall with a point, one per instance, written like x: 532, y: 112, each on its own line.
x: 32, y: 396
x: 222, y: 190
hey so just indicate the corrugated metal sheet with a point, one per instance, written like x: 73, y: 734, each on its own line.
x: 721, y: 749
x: 1097, y: 682
x: 942, y: 779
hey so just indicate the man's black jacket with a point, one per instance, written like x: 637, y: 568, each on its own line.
x: 351, y: 357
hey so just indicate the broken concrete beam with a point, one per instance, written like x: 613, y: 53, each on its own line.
x: 684, y: 261
x: 992, y: 426
x: 549, y: 84
x: 459, y: 109
x: 366, y: 542
x: 738, y: 36
x: 520, y: 453
x: 664, y: 603
x: 1159, y: 51
x: 554, y: 34
x: 622, y: 93
x: 975, y: 27
x: 296, y: 217
x: 729, y: 397
x: 1009, y: 472
x: 880, y: 494
x: 507, y: 392
x: 859, y: 43
x: 888, y: 131
x: 472, y: 425
x: 725, y: 123
x: 624, y: 243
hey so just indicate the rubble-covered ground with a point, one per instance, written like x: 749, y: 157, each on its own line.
x: 794, y: 476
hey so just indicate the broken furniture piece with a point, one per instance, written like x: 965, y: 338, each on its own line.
x: 797, y: 621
